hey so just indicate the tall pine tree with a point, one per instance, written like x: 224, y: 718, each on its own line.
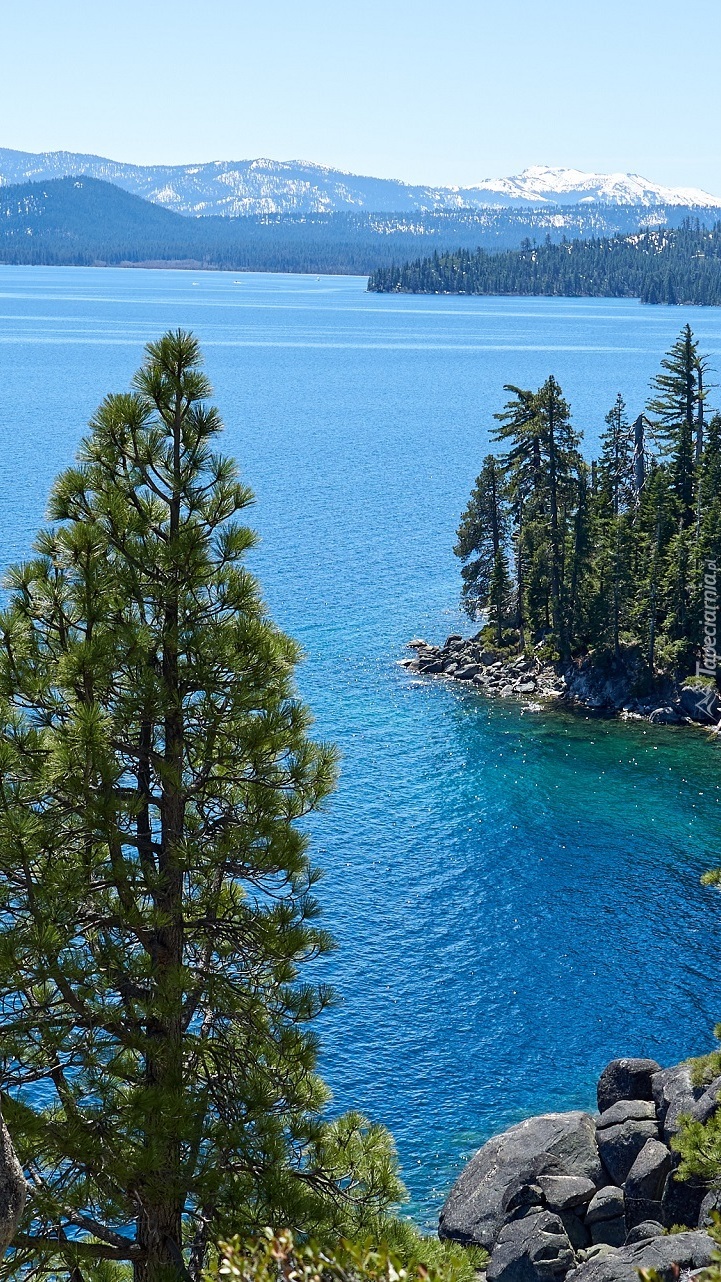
x: 156, y: 900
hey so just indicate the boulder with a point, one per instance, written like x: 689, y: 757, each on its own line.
x: 647, y: 1176
x: 701, y: 704
x: 467, y: 672
x: 605, y: 1217
x: 625, y: 1079
x: 682, y: 1201
x: 666, y: 716
x: 534, y: 1249
x: 430, y: 665
x: 609, y: 1232
x: 675, y: 1096
x: 621, y: 1132
x: 566, y: 1192
x: 711, y: 1202
x: 644, y: 1231
x: 607, y: 1204
x: 665, y: 1254
x: 13, y: 1189
x: 552, y: 1144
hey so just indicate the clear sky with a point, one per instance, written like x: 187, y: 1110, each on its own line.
x: 429, y: 92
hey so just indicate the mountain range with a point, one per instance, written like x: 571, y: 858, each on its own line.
x: 256, y: 187
x: 87, y: 221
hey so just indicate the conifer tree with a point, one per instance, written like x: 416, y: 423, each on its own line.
x: 156, y: 893
x: 616, y: 464
x: 480, y: 545
x: 677, y: 412
x: 559, y: 447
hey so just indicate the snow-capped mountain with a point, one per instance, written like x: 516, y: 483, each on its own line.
x: 541, y: 185
x: 234, y: 188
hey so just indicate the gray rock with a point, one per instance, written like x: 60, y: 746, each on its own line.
x: 565, y: 1192
x: 639, y: 1210
x: 601, y: 1248
x: 666, y: 716
x: 647, y: 1176
x: 711, y: 1202
x: 607, y: 1204
x: 522, y: 1199
x: 534, y: 1249
x: 578, y: 1235
x: 682, y: 1201
x: 13, y: 1189
x: 625, y: 1079
x: 552, y: 1144
x: 609, y: 1232
x: 676, y: 1096
x: 466, y: 673
x: 685, y: 1250
x: 621, y: 1134
x: 432, y: 665
x: 644, y: 1231
x: 701, y: 704
x: 627, y: 1110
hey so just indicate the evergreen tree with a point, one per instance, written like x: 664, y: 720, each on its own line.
x: 559, y: 447
x: 481, y: 546
x: 677, y: 411
x: 616, y: 464
x: 156, y: 893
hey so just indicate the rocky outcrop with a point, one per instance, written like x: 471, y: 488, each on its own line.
x: 665, y: 1254
x: 508, y: 1172
x: 589, y: 1199
x: 603, y: 684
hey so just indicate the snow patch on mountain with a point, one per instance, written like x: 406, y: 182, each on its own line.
x: 263, y: 186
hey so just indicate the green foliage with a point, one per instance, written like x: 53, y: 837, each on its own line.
x: 607, y: 557
x: 156, y: 894
x: 657, y: 266
x: 279, y: 1257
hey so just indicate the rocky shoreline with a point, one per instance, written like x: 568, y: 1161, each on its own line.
x: 611, y: 686
x: 591, y: 1197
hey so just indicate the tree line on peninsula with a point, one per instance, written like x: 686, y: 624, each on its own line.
x: 596, y: 556
x: 663, y: 265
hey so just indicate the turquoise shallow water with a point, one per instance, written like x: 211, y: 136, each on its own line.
x: 516, y: 899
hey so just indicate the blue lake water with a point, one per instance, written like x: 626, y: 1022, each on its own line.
x: 516, y: 899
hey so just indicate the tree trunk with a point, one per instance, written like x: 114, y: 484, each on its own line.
x: 159, y: 1224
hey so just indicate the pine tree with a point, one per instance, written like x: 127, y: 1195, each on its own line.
x: 677, y: 411
x: 616, y: 464
x: 480, y: 544
x: 156, y: 893
x: 559, y: 447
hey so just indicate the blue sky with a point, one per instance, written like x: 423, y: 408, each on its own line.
x: 436, y: 93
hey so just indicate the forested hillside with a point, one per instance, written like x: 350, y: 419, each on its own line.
x: 85, y: 221
x: 661, y: 265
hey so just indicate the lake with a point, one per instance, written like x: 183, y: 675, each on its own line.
x: 516, y: 899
